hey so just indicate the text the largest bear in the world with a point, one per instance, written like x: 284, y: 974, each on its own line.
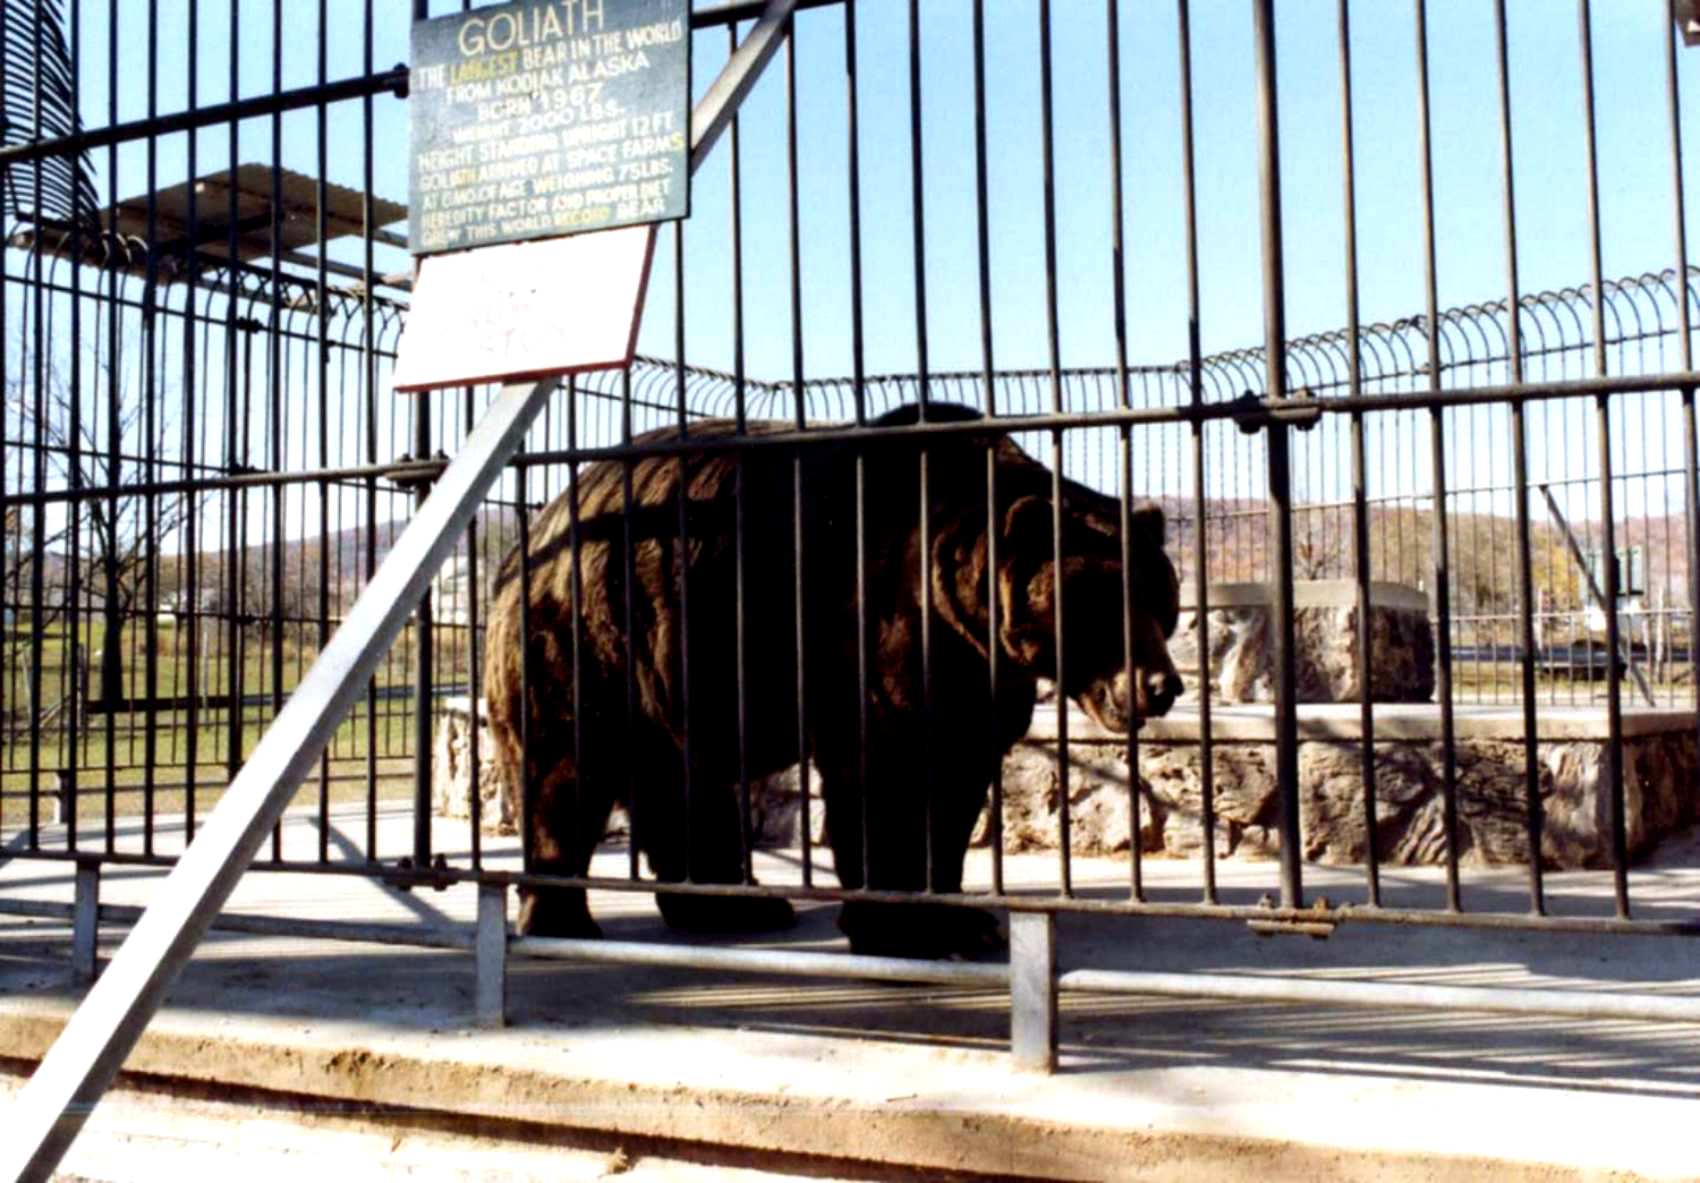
x: 933, y: 741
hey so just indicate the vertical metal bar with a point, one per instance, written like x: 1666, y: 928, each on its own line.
x: 739, y: 532
x: 1118, y: 305
x: 1360, y: 474
x: 988, y: 382
x: 276, y: 388
x: 684, y: 550
x: 1533, y: 812
x: 1033, y: 991
x: 192, y: 375
x: 235, y: 438
x: 1053, y: 337
x: 39, y: 468
x: 474, y: 682
x: 321, y: 370
x: 151, y: 315
x: 10, y: 522
x: 1279, y: 461
x: 85, y: 920
x: 490, y: 953
x: 423, y: 639
x: 1118, y: 288
x: 575, y: 579
x: 629, y: 616
x: 798, y: 489
x: 76, y: 689
x: 858, y: 388
x: 369, y: 386
x: 424, y: 646
x: 122, y: 687
x: 923, y: 382
x: 1200, y: 505
x: 1608, y: 513
x: 528, y: 676
x: 1437, y: 453
x: 1690, y: 444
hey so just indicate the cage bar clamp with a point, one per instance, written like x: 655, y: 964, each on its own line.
x: 437, y: 877
x: 408, y: 473
x: 1320, y: 928
x: 1253, y: 413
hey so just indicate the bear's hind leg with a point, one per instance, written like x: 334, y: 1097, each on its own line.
x: 897, y: 861
x: 713, y: 847
x: 570, y: 818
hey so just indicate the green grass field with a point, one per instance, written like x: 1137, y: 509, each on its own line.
x: 82, y: 744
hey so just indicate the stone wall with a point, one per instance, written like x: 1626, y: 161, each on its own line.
x: 1659, y: 790
x: 454, y: 780
x: 1661, y: 773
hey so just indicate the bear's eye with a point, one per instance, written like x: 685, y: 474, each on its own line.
x: 1167, y: 612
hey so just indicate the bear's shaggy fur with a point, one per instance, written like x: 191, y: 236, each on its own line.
x: 926, y: 760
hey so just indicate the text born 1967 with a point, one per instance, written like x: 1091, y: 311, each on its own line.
x: 535, y: 119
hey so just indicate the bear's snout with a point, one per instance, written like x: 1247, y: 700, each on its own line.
x: 1162, y: 688
x: 1123, y: 700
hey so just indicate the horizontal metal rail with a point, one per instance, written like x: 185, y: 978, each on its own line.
x: 1532, y: 1000
x: 1249, y: 988
x: 407, y: 472
x: 1336, y: 914
x: 413, y: 936
x: 775, y: 961
x: 393, y: 81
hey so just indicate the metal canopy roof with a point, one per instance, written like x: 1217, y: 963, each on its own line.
x: 296, y: 216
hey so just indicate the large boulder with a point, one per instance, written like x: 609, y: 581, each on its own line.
x: 1325, y: 625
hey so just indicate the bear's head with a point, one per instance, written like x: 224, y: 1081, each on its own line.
x: 1118, y: 684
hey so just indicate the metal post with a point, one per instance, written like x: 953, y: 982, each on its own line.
x: 85, y: 921
x: 1033, y: 991
x: 64, y: 798
x: 491, y: 955
x: 1282, y: 651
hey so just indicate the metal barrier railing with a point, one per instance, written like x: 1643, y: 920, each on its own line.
x: 1260, y: 448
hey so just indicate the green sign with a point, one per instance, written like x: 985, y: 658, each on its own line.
x: 538, y: 119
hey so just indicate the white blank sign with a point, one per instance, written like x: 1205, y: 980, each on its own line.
x: 525, y: 310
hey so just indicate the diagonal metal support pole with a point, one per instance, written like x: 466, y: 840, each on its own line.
x: 719, y: 105
x: 1595, y: 594
x: 83, y: 1061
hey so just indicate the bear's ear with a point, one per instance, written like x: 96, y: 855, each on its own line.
x: 1027, y: 529
x: 1024, y: 549
x: 1148, y: 527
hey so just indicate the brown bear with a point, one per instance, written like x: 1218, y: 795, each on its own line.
x: 927, y: 759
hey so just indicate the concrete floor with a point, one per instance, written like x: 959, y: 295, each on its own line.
x: 854, y: 1079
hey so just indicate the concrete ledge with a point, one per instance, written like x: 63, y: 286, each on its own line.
x: 1255, y: 723
x: 844, y: 1104
x: 1308, y: 593
x: 909, y: 1080
x: 416, y: 1077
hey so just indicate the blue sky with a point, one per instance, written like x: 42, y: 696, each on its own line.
x: 1547, y: 111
